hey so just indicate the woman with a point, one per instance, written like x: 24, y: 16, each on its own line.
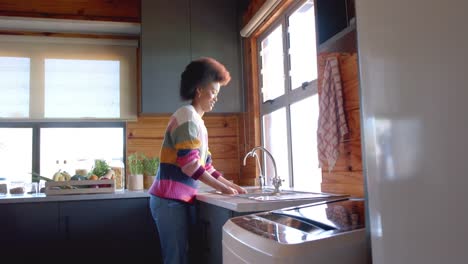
x: 185, y: 160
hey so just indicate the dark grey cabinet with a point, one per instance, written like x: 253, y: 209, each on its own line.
x: 123, y: 225
x: 211, y: 219
x: 178, y: 31
x: 32, y: 227
x: 165, y: 50
x: 332, y: 17
x: 114, y: 228
x: 215, y: 33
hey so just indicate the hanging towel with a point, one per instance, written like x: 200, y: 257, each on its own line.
x: 332, y: 121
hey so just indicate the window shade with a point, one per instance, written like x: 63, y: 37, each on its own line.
x: 14, y: 87
x: 68, y: 78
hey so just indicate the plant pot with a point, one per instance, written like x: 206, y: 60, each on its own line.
x: 135, y: 182
x: 148, y: 181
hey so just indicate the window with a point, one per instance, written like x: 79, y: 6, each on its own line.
x: 16, y: 150
x: 67, y: 79
x: 289, y: 109
x: 47, y: 147
x: 14, y: 73
x: 77, y: 148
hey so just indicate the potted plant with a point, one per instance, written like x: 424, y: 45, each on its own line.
x: 150, y: 169
x: 136, y: 168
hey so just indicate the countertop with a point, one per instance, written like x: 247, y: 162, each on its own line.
x: 41, y: 197
x: 245, y: 205
x: 205, y: 195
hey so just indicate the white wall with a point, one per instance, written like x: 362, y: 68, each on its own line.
x: 414, y: 90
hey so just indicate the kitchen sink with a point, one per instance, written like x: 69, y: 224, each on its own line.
x: 283, y: 195
x: 265, y: 191
x: 269, y: 194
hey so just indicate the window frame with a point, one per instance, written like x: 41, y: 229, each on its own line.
x: 290, y: 95
x: 36, y: 134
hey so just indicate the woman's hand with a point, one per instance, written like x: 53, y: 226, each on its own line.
x: 229, y: 190
x: 240, y: 189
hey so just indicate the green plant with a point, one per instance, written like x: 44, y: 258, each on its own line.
x: 100, y: 168
x: 135, y: 163
x: 150, y: 165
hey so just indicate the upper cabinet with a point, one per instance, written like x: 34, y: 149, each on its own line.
x: 165, y: 50
x: 336, y: 28
x: 178, y: 31
x: 215, y: 28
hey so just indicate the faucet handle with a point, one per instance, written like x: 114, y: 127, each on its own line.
x: 277, y: 182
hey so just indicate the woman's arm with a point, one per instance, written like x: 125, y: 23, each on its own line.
x: 231, y: 184
x: 216, y: 175
x: 209, y: 180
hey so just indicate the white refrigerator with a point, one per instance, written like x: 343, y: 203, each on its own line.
x: 413, y: 59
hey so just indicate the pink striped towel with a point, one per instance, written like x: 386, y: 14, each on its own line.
x: 332, y: 122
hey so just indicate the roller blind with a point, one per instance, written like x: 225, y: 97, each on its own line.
x: 51, y: 78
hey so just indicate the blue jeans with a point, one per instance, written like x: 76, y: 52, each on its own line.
x: 176, y: 223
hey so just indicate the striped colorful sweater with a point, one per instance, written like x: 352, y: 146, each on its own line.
x: 184, y: 157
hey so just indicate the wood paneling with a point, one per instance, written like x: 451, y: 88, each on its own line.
x: 346, y: 177
x: 250, y: 120
x: 351, y: 177
x: 104, y: 10
x: 354, y: 190
x: 350, y: 158
x: 147, y: 134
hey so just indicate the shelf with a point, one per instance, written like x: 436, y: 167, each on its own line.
x: 343, y: 41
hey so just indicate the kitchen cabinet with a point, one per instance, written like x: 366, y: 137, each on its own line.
x: 211, y: 219
x: 178, y: 31
x: 336, y: 30
x: 122, y: 225
x: 215, y: 33
x: 165, y: 50
x: 32, y: 227
x: 113, y: 228
x: 332, y: 17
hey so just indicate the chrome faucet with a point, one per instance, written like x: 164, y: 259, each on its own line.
x: 260, y: 176
x: 275, y: 180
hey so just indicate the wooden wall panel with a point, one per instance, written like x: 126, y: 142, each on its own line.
x: 346, y: 177
x: 350, y: 158
x: 147, y: 134
x: 104, y: 10
x: 250, y: 120
x: 354, y: 190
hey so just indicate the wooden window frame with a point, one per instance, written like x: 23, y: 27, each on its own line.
x: 255, y: 106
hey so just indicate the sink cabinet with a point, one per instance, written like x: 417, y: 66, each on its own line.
x: 211, y: 219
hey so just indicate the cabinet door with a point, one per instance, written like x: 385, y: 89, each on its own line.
x: 165, y: 51
x: 211, y: 221
x: 215, y: 33
x: 123, y: 225
x: 29, y: 227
